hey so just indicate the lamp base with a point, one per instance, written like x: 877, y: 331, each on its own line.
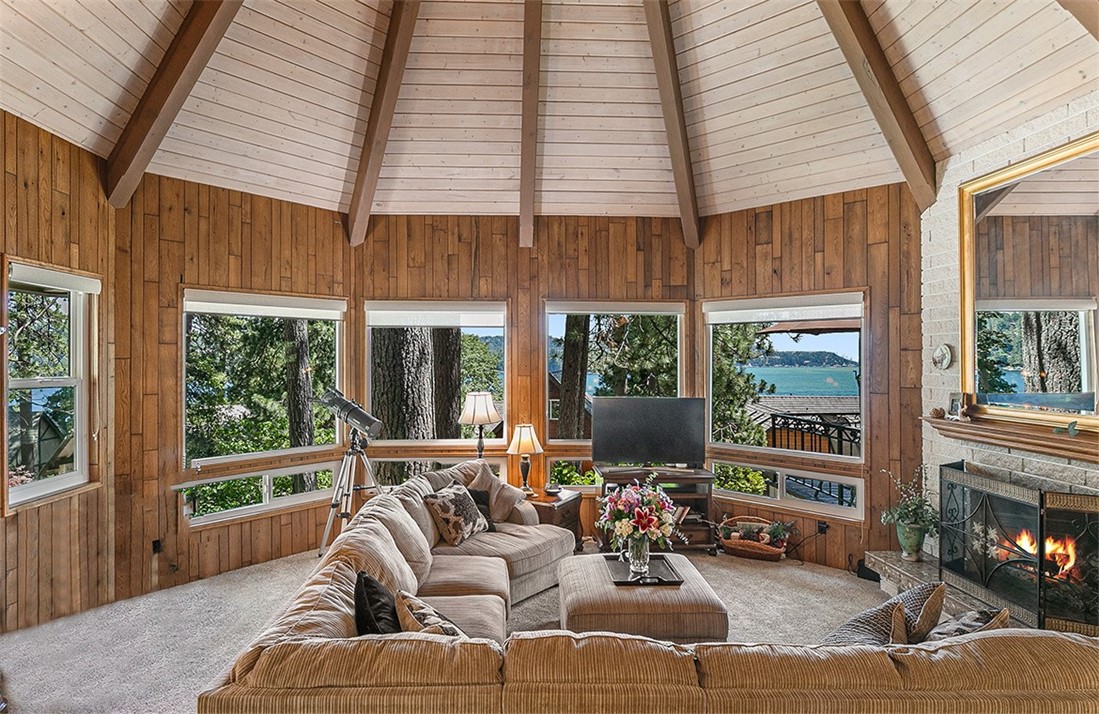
x: 528, y: 491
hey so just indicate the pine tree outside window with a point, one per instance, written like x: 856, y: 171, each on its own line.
x: 423, y: 358
x: 48, y: 333
x: 253, y: 366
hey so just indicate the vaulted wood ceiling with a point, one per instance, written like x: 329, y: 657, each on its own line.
x: 771, y: 108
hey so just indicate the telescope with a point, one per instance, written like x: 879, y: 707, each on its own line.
x: 351, y: 412
x: 363, y: 428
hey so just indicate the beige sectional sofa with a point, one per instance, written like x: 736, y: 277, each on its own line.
x: 309, y: 659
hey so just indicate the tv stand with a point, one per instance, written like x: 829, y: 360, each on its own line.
x: 686, y: 487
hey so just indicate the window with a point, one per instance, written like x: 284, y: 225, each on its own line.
x: 803, y: 490
x: 574, y: 472
x: 424, y: 357
x: 232, y: 496
x: 612, y: 350
x: 786, y: 374
x: 49, y: 317
x: 254, y: 363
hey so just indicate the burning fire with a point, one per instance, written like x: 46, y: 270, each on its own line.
x: 1061, y: 552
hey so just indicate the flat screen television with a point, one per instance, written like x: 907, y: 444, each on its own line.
x: 649, y: 430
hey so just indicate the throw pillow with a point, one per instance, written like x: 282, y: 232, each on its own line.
x: 881, y: 625
x: 969, y: 622
x: 481, y: 499
x: 503, y: 497
x: 923, y: 606
x: 375, y: 608
x: 456, y: 515
x: 415, y: 615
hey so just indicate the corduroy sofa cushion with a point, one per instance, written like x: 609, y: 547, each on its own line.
x: 467, y: 575
x: 369, y: 546
x: 411, y: 495
x: 739, y: 666
x: 406, y: 533
x: 562, y: 657
x: 1002, y: 660
x: 323, y: 608
x: 524, y: 548
x: 406, y: 659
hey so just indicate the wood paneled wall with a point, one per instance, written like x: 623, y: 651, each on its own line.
x: 867, y: 240
x: 57, y: 554
x: 176, y: 234
x: 1037, y: 256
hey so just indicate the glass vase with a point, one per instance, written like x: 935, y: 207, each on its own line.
x: 639, y: 555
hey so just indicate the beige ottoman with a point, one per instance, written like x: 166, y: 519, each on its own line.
x: 685, y: 613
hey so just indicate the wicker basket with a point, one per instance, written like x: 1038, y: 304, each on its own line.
x: 749, y: 548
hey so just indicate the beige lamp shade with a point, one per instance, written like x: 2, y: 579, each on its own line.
x: 480, y: 409
x: 524, y: 440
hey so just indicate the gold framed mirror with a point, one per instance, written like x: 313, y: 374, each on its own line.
x: 1030, y: 290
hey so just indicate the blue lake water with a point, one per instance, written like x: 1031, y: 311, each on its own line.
x: 810, y: 381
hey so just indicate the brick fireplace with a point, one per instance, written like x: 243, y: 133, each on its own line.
x: 1031, y: 550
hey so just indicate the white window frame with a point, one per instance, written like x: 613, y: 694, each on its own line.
x: 855, y: 513
x: 83, y: 292
x: 434, y: 313
x: 242, y: 304
x: 598, y: 307
x: 270, y: 502
x: 817, y: 306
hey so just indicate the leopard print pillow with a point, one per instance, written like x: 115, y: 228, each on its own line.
x: 415, y: 615
x: 455, y: 513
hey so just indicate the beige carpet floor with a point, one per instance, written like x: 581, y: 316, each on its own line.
x: 155, y: 653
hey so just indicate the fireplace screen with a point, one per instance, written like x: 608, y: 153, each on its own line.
x: 1035, y: 553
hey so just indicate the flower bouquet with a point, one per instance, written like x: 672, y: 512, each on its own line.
x: 635, y: 516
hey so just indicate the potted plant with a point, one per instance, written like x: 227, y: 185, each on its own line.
x: 913, y: 513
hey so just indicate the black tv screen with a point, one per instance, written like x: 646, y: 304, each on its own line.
x: 647, y: 430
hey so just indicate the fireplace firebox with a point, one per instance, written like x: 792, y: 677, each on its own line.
x: 1034, y: 552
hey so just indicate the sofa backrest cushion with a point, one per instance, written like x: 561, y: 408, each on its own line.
x: 463, y: 473
x: 999, y: 660
x: 407, y: 659
x: 502, y: 496
x: 739, y: 666
x: 323, y: 608
x: 368, y: 545
x: 411, y: 495
x: 563, y: 658
x: 410, y: 540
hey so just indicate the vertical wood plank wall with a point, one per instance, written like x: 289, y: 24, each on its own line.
x: 57, y: 555
x: 868, y: 239
x: 177, y: 233
x: 1037, y: 256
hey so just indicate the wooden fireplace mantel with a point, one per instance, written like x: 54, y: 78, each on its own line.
x: 1040, y: 440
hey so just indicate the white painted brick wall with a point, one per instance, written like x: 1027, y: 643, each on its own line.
x: 939, y: 231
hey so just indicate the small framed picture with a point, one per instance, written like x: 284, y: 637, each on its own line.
x: 957, y: 406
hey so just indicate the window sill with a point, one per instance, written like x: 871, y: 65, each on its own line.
x: 822, y: 463
x: 785, y: 507
x: 259, y: 464
x: 48, y: 498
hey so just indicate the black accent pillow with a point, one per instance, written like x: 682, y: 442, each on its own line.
x: 481, y: 498
x: 375, y: 607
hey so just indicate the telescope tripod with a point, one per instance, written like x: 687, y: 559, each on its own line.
x: 343, y: 487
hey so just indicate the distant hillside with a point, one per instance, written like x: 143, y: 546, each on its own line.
x: 802, y: 359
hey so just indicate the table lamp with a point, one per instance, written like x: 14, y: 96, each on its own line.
x: 525, y: 442
x: 480, y: 411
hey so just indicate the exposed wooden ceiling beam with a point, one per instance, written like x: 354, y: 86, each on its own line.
x: 883, y: 94
x: 671, y: 100
x: 175, y: 77
x: 528, y: 152
x: 985, y: 202
x: 398, y: 40
x: 1086, y: 12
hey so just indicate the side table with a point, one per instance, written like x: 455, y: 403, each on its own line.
x: 562, y: 509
